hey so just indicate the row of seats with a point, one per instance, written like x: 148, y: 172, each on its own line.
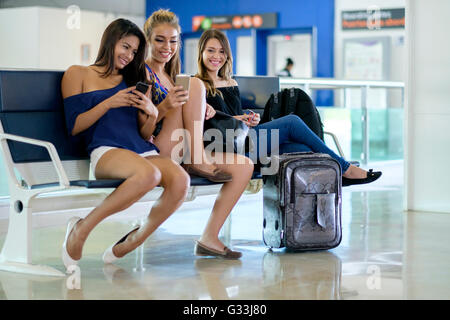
x: 53, y: 169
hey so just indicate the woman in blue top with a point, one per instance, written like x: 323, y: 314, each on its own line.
x: 215, y: 66
x: 115, y: 122
x: 180, y: 110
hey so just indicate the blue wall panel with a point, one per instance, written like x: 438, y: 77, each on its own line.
x: 317, y: 15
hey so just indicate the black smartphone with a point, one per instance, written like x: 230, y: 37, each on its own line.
x: 142, y: 87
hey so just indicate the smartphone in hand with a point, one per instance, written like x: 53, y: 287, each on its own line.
x: 142, y: 87
x: 250, y: 114
x: 183, y: 80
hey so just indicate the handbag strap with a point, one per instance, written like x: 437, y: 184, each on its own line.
x: 223, y: 114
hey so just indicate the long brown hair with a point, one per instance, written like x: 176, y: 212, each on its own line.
x: 116, y: 30
x: 226, y: 71
x: 163, y: 16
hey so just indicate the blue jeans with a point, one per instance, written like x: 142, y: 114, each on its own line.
x: 294, y: 136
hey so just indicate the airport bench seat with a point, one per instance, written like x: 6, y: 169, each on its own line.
x: 54, y: 170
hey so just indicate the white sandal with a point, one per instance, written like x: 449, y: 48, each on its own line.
x: 108, y: 255
x: 66, y: 258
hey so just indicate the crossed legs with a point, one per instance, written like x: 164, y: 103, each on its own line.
x: 295, y: 136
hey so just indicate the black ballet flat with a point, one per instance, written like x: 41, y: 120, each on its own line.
x: 371, y: 177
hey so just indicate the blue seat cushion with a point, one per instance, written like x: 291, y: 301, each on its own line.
x: 114, y: 183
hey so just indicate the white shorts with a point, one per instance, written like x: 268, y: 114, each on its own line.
x: 97, y: 153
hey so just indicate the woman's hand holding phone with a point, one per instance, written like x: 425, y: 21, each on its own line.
x: 147, y: 113
x: 253, y: 118
x: 250, y: 118
x: 176, y: 97
x: 120, y: 98
x: 144, y: 103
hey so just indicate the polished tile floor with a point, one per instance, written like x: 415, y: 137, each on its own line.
x: 385, y: 253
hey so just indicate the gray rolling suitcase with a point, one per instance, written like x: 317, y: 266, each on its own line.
x: 302, y: 203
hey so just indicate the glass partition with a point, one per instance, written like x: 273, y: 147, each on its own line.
x: 366, y: 131
x: 385, y: 132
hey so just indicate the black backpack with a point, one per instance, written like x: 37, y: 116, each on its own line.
x: 293, y: 101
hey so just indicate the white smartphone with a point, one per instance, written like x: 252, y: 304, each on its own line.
x: 183, y: 80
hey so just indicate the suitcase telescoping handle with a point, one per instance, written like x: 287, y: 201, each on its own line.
x: 298, y: 153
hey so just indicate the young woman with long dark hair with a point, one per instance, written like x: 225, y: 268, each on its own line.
x: 115, y: 121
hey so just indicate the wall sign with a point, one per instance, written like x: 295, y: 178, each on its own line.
x: 263, y: 20
x: 373, y: 18
x: 367, y: 59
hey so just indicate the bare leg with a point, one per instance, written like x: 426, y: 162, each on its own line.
x: 175, y: 182
x: 141, y: 176
x: 172, y: 121
x: 228, y: 196
x: 190, y: 117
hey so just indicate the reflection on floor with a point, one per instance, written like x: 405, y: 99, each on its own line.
x: 385, y: 253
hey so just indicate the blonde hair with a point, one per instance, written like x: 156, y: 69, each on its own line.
x: 225, y: 72
x: 159, y: 17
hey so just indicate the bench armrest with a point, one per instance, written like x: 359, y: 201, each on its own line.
x: 336, y: 142
x: 63, y: 180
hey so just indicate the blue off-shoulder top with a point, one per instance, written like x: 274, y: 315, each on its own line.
x: 118, y: 127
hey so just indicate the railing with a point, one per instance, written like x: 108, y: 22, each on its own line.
x: 309, y: 84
